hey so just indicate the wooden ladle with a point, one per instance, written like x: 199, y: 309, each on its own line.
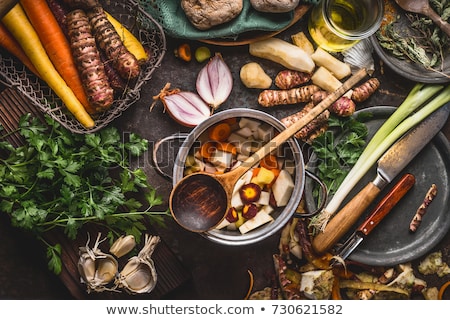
x: 200, y: 201
x: 423, y: 7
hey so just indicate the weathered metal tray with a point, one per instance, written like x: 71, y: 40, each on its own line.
x: 140, y: 23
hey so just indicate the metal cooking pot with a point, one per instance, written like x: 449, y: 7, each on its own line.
x: 281, y: 215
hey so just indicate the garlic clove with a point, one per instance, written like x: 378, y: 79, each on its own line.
x: 123, y: 245
x: 215, y: 81
x: 86, y: 267
x: 106, y: 271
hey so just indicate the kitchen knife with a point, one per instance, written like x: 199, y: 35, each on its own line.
x: 393, y: 161
x: 375, y: 217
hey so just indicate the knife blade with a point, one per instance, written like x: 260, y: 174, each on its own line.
x: 393, y: 161
x: 374, y: 218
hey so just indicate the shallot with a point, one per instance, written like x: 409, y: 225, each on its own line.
x: 185, y: 107
x: 214, y: 81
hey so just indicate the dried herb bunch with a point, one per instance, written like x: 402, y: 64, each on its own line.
x: 423, y: 42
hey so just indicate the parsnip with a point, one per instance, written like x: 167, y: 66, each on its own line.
x: 324, y: 59
x: 284, y: 53
x: 325, y: 79
x: 300, y: 40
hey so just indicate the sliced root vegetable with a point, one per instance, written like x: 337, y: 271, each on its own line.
x: 20, y: 27
x: 215, y: 81
x: 185, y: 107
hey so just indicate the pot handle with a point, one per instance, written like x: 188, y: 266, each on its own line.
x: 323, y: 189
x: 175, y: 136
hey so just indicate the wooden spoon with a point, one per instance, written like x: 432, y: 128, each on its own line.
x: 423, y: 7
x: 200, y: 201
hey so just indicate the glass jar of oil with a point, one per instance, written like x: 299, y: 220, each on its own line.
x: 336, y: 25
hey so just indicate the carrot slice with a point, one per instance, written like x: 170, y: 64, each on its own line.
x: 269, y: 162
x: 219, y: 132
x: 207, y: 149
x: 56, y: 45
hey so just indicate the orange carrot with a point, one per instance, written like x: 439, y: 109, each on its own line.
x: 56, y: 45
x: 17, y: 23
x: 207, y: 149
x: 269, y: 162
x: 8, y: 42
x: 220, y: 132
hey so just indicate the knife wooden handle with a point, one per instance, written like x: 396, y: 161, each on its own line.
x: 387, y: 203
x: 345, y: 219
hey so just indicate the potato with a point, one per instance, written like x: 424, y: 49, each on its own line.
x: 324, y: 59
x: 284, y: 53
x: 300, y: 40
x: 253, y: 76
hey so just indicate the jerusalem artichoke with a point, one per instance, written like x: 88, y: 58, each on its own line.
x: 270, y: 98
x: 288, y: 79
x: 109, y: 41
x: 88, y: 61
x: 364, y: 91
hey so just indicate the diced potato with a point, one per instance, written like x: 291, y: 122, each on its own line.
x: 249, y: 123
x: 324, y: 59
x: 267, y: 209
x: 302, y: 41
x: 289, y: 166
x: 236, y: 201
x: 284, y: 53
x: 245, y: 132
x: 222, y: 159
x: 260, y: 219
x: 264, y: 176
x: 282, y: 188
x: 265, y: 132
x: 223, y: 224
x: 264, y: 198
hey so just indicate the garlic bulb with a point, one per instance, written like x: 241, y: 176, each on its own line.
x: 139, y: 274
x: 96, y: 268
x: 214, y: 81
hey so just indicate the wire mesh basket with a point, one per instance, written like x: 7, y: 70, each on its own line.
x: 135, y: 19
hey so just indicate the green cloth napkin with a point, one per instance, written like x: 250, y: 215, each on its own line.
x: 171, y: 17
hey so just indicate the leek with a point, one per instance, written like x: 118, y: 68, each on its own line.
x: 394, y: 127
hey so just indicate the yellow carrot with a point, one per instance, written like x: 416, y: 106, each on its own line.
x: 20, y: 27
x: 129, y: 40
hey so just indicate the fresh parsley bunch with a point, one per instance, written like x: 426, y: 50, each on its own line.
x: 58, y: 179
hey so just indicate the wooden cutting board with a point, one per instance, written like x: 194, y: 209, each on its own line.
x: 171, y: 272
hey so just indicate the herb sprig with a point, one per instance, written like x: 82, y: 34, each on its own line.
x: 338, y: 149
x: 58, y: 179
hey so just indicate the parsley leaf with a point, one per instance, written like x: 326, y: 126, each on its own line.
x: 58, y: 179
